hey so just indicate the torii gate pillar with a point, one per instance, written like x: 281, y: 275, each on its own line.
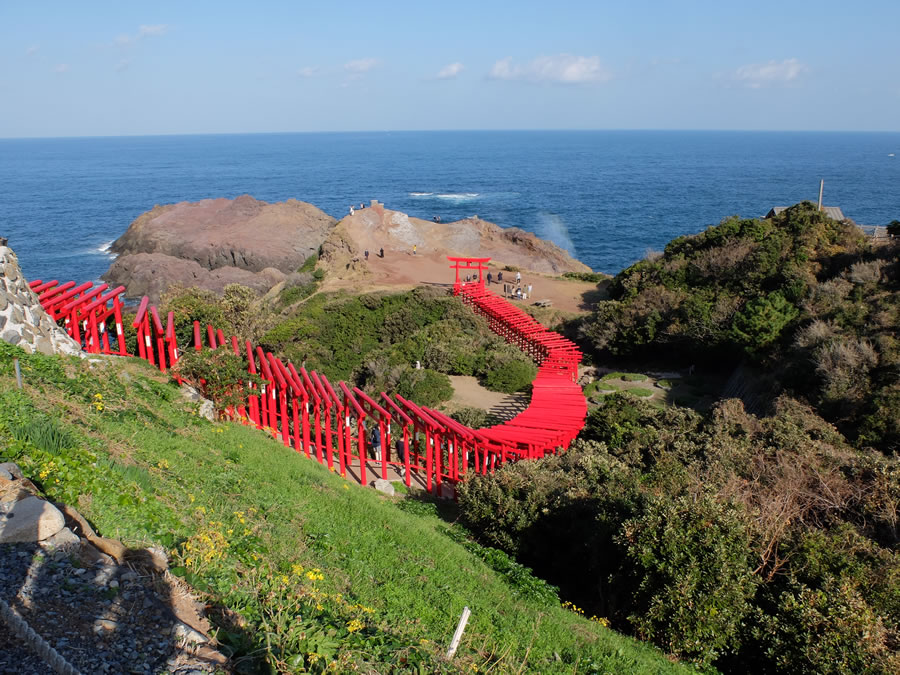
x: 477, y: 265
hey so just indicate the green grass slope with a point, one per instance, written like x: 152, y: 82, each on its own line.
x: 304, y: 571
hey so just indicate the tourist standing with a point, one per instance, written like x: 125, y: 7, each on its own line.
x: 375, y: 437
x: 518, y: 277
x: 529, y: 289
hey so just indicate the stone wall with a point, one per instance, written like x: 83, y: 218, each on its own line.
x: 23, y: 321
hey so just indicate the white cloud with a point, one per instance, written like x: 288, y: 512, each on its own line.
x: 450, y: 71
x: 143, y: 31
x: 62, y: 68
x: 156, y: 29
x: 757, y: 75
x: 560, y: 68
x: 360, y: 66
x: 308, y: 71
x: 32, y: 50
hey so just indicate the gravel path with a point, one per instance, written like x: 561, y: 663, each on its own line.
x: 102, y: 618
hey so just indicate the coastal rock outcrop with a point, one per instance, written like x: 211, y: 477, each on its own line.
x: 23, y: 321
x: 215, y: 242
x: 375, y: 228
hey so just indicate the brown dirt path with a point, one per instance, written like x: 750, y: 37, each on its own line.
x: 401, y: 270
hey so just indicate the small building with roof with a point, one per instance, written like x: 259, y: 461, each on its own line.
x: 833, y: 212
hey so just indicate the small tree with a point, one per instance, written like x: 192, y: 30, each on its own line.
x: 762, y: 320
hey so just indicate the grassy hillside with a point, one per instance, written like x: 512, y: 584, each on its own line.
x: 304, y: 571
x: 802, y: 298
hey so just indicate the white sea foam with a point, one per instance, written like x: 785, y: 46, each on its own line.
x: 420, y: 194
x: 104, y: 248
x: 553, y: 228
x: 458, y: 196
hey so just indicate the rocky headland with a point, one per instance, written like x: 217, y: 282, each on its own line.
x: 216, y: 242
x: 376, y: 227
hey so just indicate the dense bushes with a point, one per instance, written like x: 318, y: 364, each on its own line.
x: 375, y: 341
x: 803, y: 297
x: 763, y: 544
x: 689, y: 563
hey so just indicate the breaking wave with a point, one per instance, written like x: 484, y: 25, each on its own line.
x: 447, y: 196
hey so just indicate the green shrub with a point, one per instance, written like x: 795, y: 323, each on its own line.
x: 219, y: 373
x: 510, y: 377
x: 593, y: 277
x: 291, y: 294
x: 309, y: 264
x: 425, y: 387
x: 826, y: 630
x: 689, y: 562
x: 639, y: 391
x: 762, y: 320
x: 475, y: 418
x: 189, y: 305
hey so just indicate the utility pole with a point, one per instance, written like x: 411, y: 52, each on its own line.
x: 821, y: 189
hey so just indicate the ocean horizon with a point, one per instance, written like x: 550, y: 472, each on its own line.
x: 608, y: 197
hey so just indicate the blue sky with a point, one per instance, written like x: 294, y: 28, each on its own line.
x: 126, y: 68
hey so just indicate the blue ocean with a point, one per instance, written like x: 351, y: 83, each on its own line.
x: 606, y: 196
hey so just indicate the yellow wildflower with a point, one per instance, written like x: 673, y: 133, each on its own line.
x: 355, y: 625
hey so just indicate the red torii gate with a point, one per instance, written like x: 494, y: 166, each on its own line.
x: 477, y: 265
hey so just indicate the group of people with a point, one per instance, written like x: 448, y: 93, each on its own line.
x: 380, y: 253
x: 353, y: 209
x: 517, y: 290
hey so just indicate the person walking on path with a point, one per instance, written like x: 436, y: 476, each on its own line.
x: 381, y: 253
x: 529, y: 289
x: 518, y: 277
x: 489, y: 278
x: 414, y: 249
x: 367, y: 255
x: 375, y: 437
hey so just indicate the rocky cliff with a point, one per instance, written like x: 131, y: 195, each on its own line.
x: 214, y: 242
x: 375, y: 228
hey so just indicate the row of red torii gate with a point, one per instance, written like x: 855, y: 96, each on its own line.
x: 342, y: 426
